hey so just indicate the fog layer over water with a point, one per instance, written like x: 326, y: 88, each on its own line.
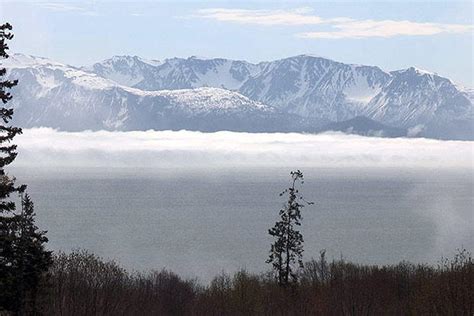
x: 199, y: 203
x: 47, y: 147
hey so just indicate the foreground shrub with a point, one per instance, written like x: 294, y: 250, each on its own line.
x: 81, y: 283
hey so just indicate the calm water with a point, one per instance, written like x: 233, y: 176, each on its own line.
x: 201, y: 222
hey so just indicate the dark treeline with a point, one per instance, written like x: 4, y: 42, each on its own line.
x: 81, y: 283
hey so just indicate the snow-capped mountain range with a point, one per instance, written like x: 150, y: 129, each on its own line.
x: 301, y: 93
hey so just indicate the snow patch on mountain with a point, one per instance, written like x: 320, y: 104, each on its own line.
x: 125, y: 70
x: 214, y: 77
x: 201, y: 100
x: 359, y: 89
x: 129, y: 92
x: 26, y: 61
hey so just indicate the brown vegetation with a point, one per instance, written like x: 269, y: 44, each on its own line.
x: 82, y: 284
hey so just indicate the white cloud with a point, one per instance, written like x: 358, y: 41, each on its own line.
x: 59, y: 6
x: 43, y: 147
x: 342, y: 27
x: 386, y: 28
x: 66, y: 7
x: 260, y: 17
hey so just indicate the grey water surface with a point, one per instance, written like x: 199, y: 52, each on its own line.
x: 200, y: 222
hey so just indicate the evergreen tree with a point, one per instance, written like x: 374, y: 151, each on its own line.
x: 23, y: 258
x: 32, y: 259
x: 287, y: 249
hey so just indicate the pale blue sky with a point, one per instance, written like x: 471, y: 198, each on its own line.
x: 434, y: 35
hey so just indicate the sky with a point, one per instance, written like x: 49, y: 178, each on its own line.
x: 431, y: 35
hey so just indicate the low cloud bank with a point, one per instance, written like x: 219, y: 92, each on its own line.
x: 47, y: 147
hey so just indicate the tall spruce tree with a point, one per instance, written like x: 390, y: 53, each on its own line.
x: 23, y: 258
x: 287, y: 250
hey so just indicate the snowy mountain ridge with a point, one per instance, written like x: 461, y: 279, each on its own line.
x: 68, y: 98
x: 315, y: 86
x: 313, y: 91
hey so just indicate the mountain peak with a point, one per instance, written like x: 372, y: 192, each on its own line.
x: 116, y: 58
x: 304, y: 57
x: 309, y: 56
x: 19, y: 60
x: 202, y: 57
x: 416, y: 71
x: 130, y: 60
x: 307, y: 87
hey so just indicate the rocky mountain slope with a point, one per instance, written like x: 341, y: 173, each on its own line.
x: 60, y: 96
x: 301, y: 93
x: 362, y: 125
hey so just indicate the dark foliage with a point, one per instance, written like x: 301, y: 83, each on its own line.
x: 83, y: 284
x: 23, y: 258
